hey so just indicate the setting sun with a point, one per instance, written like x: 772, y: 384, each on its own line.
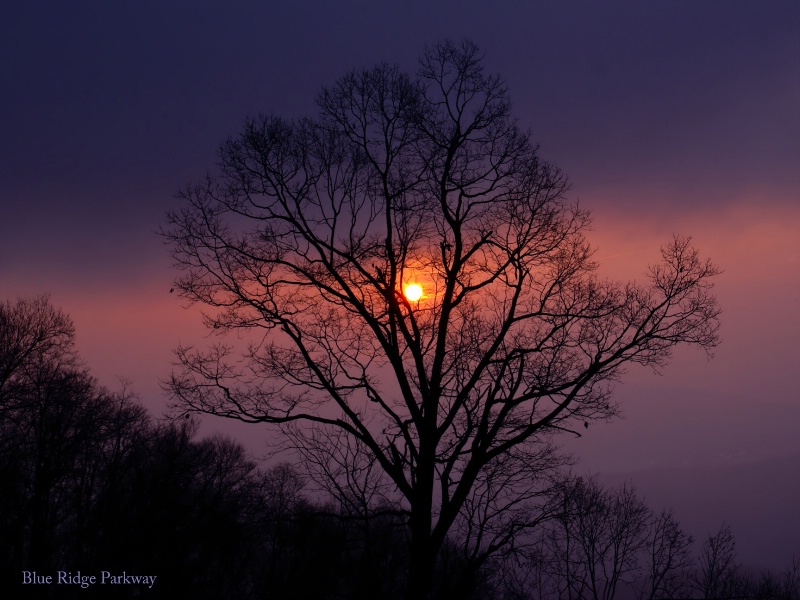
x: 413, y: 292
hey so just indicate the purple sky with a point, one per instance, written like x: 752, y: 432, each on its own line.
x: 675, y: 117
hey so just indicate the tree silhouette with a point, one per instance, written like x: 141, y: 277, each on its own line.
x: 668, y: 562
x: 718, y: 575
x: 594, y: 545
x: 311, y: 231
x: 32, y: 333
x: 87, y: 482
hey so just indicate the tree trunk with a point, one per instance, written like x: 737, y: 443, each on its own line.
x: 423, y: 553
x: 421, y: 565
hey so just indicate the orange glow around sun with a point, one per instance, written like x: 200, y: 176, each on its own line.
x: 413, y: 292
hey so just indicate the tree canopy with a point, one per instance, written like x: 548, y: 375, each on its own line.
x: 307, y: 238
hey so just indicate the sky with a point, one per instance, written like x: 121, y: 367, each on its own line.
x: 668, y: 118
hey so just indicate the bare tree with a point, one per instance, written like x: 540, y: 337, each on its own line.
x: 310, y: 234
x: 597, y: 541
x: 668, y: 561
x: 32, y: 332
x: 791, y: 580
x: 718, y: 569
x: 62, y: 438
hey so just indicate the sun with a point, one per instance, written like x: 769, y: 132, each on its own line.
x: 413, y: 292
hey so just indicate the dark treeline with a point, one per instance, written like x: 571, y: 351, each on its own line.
x: 90, y: 482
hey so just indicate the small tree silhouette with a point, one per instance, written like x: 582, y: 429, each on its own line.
x: 718, y: 569
x: 32, y: 333
x: 308, y: 237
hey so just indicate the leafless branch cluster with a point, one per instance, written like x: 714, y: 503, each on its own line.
x: 310, y: 231
x: 603, y: 543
